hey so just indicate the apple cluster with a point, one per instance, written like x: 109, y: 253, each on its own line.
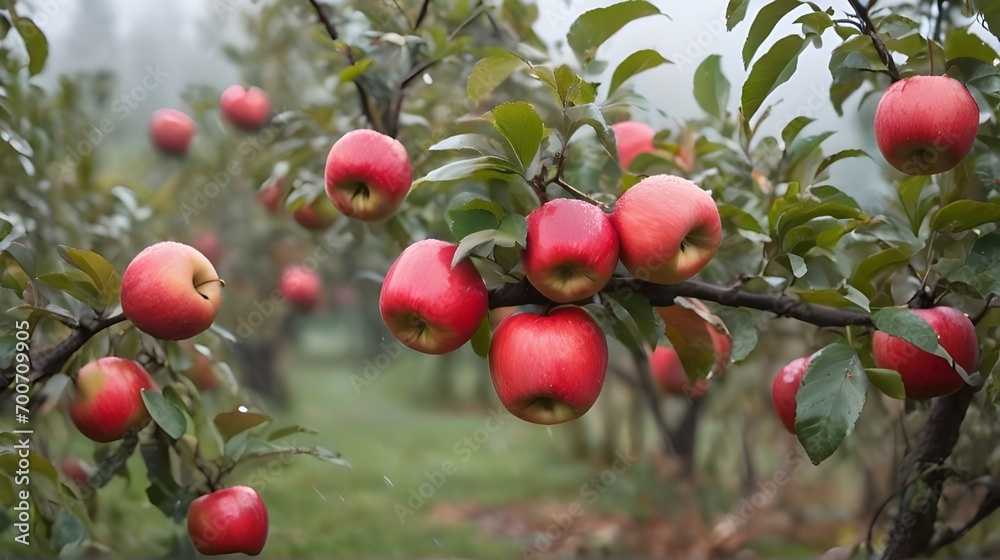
x: 171, y: 131
x: 924, y: 375
x: 548, y: 366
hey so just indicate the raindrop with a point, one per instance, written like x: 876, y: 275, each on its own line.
x: 387, y: 481
x: 243, y: 408
x: 428, y: 80
x: 437, y: 542
x: 342, y: 498
x: 320, y: 493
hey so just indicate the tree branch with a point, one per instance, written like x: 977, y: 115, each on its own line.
x: 579, y: 194
x: 424, y: 8
x: 331, y: 29
x: 51, y: 360
x: 990, y: 503
x: 911, y: 533
x: 868, y: 28
x: 783, y: 305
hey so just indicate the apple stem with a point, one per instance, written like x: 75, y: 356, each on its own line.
x: 219, y: 280
x: 579, y: 194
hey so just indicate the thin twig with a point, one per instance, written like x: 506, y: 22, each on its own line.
x: 331, y: 29
x: 579, y: 194
x: 868, y: 28
x: 424, y: 8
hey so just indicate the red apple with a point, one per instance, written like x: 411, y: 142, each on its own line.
x: 368, y: 175
x: 246, y: 109
x: 925, y: 375
x: 669, y: 229
x: 207, y: 243
x: 548, y: 369
x: 665, y: 365
x: 926, y: 124
x: 171, y: 291
x: 201, y: 373
x: 228, y: 521
x: 572, y: 250
x: 633, y: 138
x: 784, y: 388
x: 318, y: 215
x: 107, y: 404
x: 171, y: 131
x: 271, y: 196
x: 428, y: 305
x: 76, y: 471
x: 301, y: 286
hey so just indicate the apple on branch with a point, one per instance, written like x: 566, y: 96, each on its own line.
x: 571, y: 250
x: 201, y: 372
x: 669, y: 229
x: 926, y: 375
x: 248, y: 109
x: 926, y: 124
x: 318, y: 215
x: 271, y: 196
x: 368, y: 175
x: 548, y: 369
x: 301, y: 286
x: 171, y: 131
x: 670, y: 377
x: 107, y: 401
x: 633, y: 138
x: 785, y: 387
x: 171, y: 291
x: 429, y: 305
x: 228, y: 521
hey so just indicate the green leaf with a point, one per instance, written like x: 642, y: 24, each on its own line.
x: 990, y: 10
x: 773, y: 69
x: 689, y: 331
x: 12, y: 276
x: 798, y: 265
x: 887, y: 381
x: 742, y: 328
x: 521, y: 125
x: 480, y: 243
x: 516, y: 226
x: 801, y: 149
x: 481, y: 338
x: 466, y: 169
x: 902, y: 323
x: 77, y: 284
x: 637, y: 62
x: 830, y: 400
x: 735, y: 12
x: 843, y: 154
x: 490, y: 72
x: 590, y: 115
x: 235, y: 422
x: 793, y: 128
x: 463, y: 223
x: 571, y: 89
x: 815, y: 23
x: 593, y: 28
x: 475, y: 142
x: 961, y: 44
x: 67, y: 530
x: 35, y: 43
x: 290, y: 430
x: 964, y: 215
x: 166, y: 415
x: 762, y: 26
x: 711, y: 88
x: 355, y: 70
x: 105, y: 277
x: 873, y: 265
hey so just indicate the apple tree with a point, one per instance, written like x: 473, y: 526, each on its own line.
x: 476, y: 168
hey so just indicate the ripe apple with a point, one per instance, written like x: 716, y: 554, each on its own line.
x: 301, y: 286
x: 548, y: 369
x: 171, y: 131
x: 925, y: 375
x: 246, y: 109
x: 428, y: 305
x: 669, y: 228
x: 107, y: 404
x: 171, y: 291
x: 318, y: 215
x: 228, y: 521
x: 368, y: 175
x: 668, y: 372
x: 271, y: 196
x: 201, y: 372
x: 207, y: 243
x: 926, y: 124
x: 633, y: 138
x: 784, y: 388
x: 572, y: 250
